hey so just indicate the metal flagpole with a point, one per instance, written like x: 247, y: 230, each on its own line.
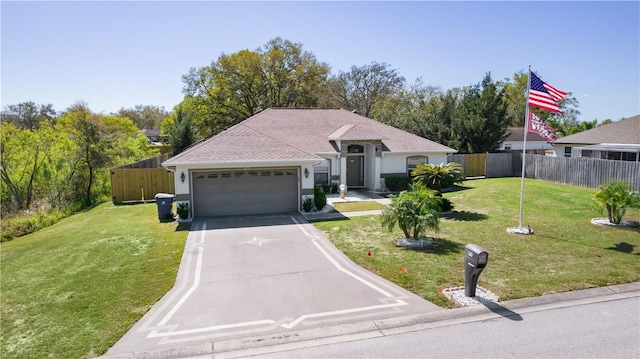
x: 520, y: 229
x: 524, y: 145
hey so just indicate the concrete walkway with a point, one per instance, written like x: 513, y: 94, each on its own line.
x: 360, y: 195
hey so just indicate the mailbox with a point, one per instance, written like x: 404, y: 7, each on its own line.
x: 475, y: 259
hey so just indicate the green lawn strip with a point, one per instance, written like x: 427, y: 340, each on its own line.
x: 357, y: 206
x: 73, y: 289
x: 566, y: 252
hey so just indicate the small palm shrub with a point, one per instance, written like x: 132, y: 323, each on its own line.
x: 439, y: 176
x: 415, y: 212
x: 613, y: 198
x: 319, y: 198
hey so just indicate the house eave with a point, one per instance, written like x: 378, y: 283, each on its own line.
x: 451, y: 150
x: 611, y: 148
x: 243, y: 164
x: 358, y: 138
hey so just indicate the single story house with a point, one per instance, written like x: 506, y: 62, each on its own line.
x: 271, y: 161
x: 514, y: 142
x: 618, y: 140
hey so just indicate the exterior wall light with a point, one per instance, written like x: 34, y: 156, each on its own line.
x: 306, y: 172
x: 182, y: 177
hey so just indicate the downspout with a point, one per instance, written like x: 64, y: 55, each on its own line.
x: 174, y: 177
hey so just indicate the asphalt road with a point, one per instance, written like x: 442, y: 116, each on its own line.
x: 605, y: 329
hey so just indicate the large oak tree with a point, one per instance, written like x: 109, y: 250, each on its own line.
x: 235, y: 86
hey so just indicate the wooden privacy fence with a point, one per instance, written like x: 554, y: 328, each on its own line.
x: 577, y: 171
x: 141, y: 181
x: 580, y: 171
x: 503, y: 165
x: 474, y: 164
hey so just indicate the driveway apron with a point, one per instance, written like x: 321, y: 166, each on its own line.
x: 243, y: 277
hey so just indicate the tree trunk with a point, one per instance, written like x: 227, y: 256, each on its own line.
x: 31, y: 179
x: 12, y: 188
x: 90, y: 183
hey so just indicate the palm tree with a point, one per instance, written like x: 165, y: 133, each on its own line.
x: 415, y: 212
x: 438, y: 176
x: 614, y: 197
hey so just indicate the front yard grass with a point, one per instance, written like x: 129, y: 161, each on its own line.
x: 73, y: 289
x: 357, y: 206
x: 566, y: 252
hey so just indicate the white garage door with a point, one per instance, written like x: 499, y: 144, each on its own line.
x: 226, y: 193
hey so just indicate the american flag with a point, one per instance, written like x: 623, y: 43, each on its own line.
x: 543, y: 95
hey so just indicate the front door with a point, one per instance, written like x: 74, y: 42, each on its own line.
x: 355, y: 171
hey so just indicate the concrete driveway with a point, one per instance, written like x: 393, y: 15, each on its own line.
x: 245, y: 277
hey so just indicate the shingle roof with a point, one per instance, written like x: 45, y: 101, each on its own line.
x: 625, y: 131
x: 238, y: 144
x: 290, y: 134
x: 353, y: 132
x: 517, y: 134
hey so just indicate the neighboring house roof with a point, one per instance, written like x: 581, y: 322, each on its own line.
x: 515, y: 134
x: 151, y: 132
x: 625, y: 131
x: 299, y: 134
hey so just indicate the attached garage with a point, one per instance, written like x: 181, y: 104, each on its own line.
x: 271, y: 161
x: 243, y: 192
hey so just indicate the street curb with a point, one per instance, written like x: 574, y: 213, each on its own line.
x: 511, y: 309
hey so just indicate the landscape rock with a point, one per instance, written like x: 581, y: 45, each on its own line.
x: 483, y: 296
x: 413, y: 243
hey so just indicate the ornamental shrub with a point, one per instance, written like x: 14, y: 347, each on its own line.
x: 613, y: 198
x: 183, y: 210
x: 319, y: 198
x: 438, y: 176
x: 415, y: 212
x: 397, y: 183
x: 307, y: 204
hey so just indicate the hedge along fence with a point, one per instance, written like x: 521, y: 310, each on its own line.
x: 577, y: 171
x: 141, y: 181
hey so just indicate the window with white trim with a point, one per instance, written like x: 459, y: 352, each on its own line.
x: 414, y: 161
x: 321, y: 174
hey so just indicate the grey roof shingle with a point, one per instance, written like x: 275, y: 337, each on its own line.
x: 517, y: 134
x: 238, y: 144
x: 299, y: 134
x: 625, y: 131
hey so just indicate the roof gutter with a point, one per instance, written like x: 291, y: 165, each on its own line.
x: 241, y: 164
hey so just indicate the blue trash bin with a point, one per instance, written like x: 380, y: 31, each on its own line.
x: 165, y: 204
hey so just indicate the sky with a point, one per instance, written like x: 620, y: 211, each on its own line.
x: 117, y: 54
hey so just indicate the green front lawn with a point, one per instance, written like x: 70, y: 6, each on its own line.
x: 565, y: 253
x: 357, y: 206
x: 73, y: 289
